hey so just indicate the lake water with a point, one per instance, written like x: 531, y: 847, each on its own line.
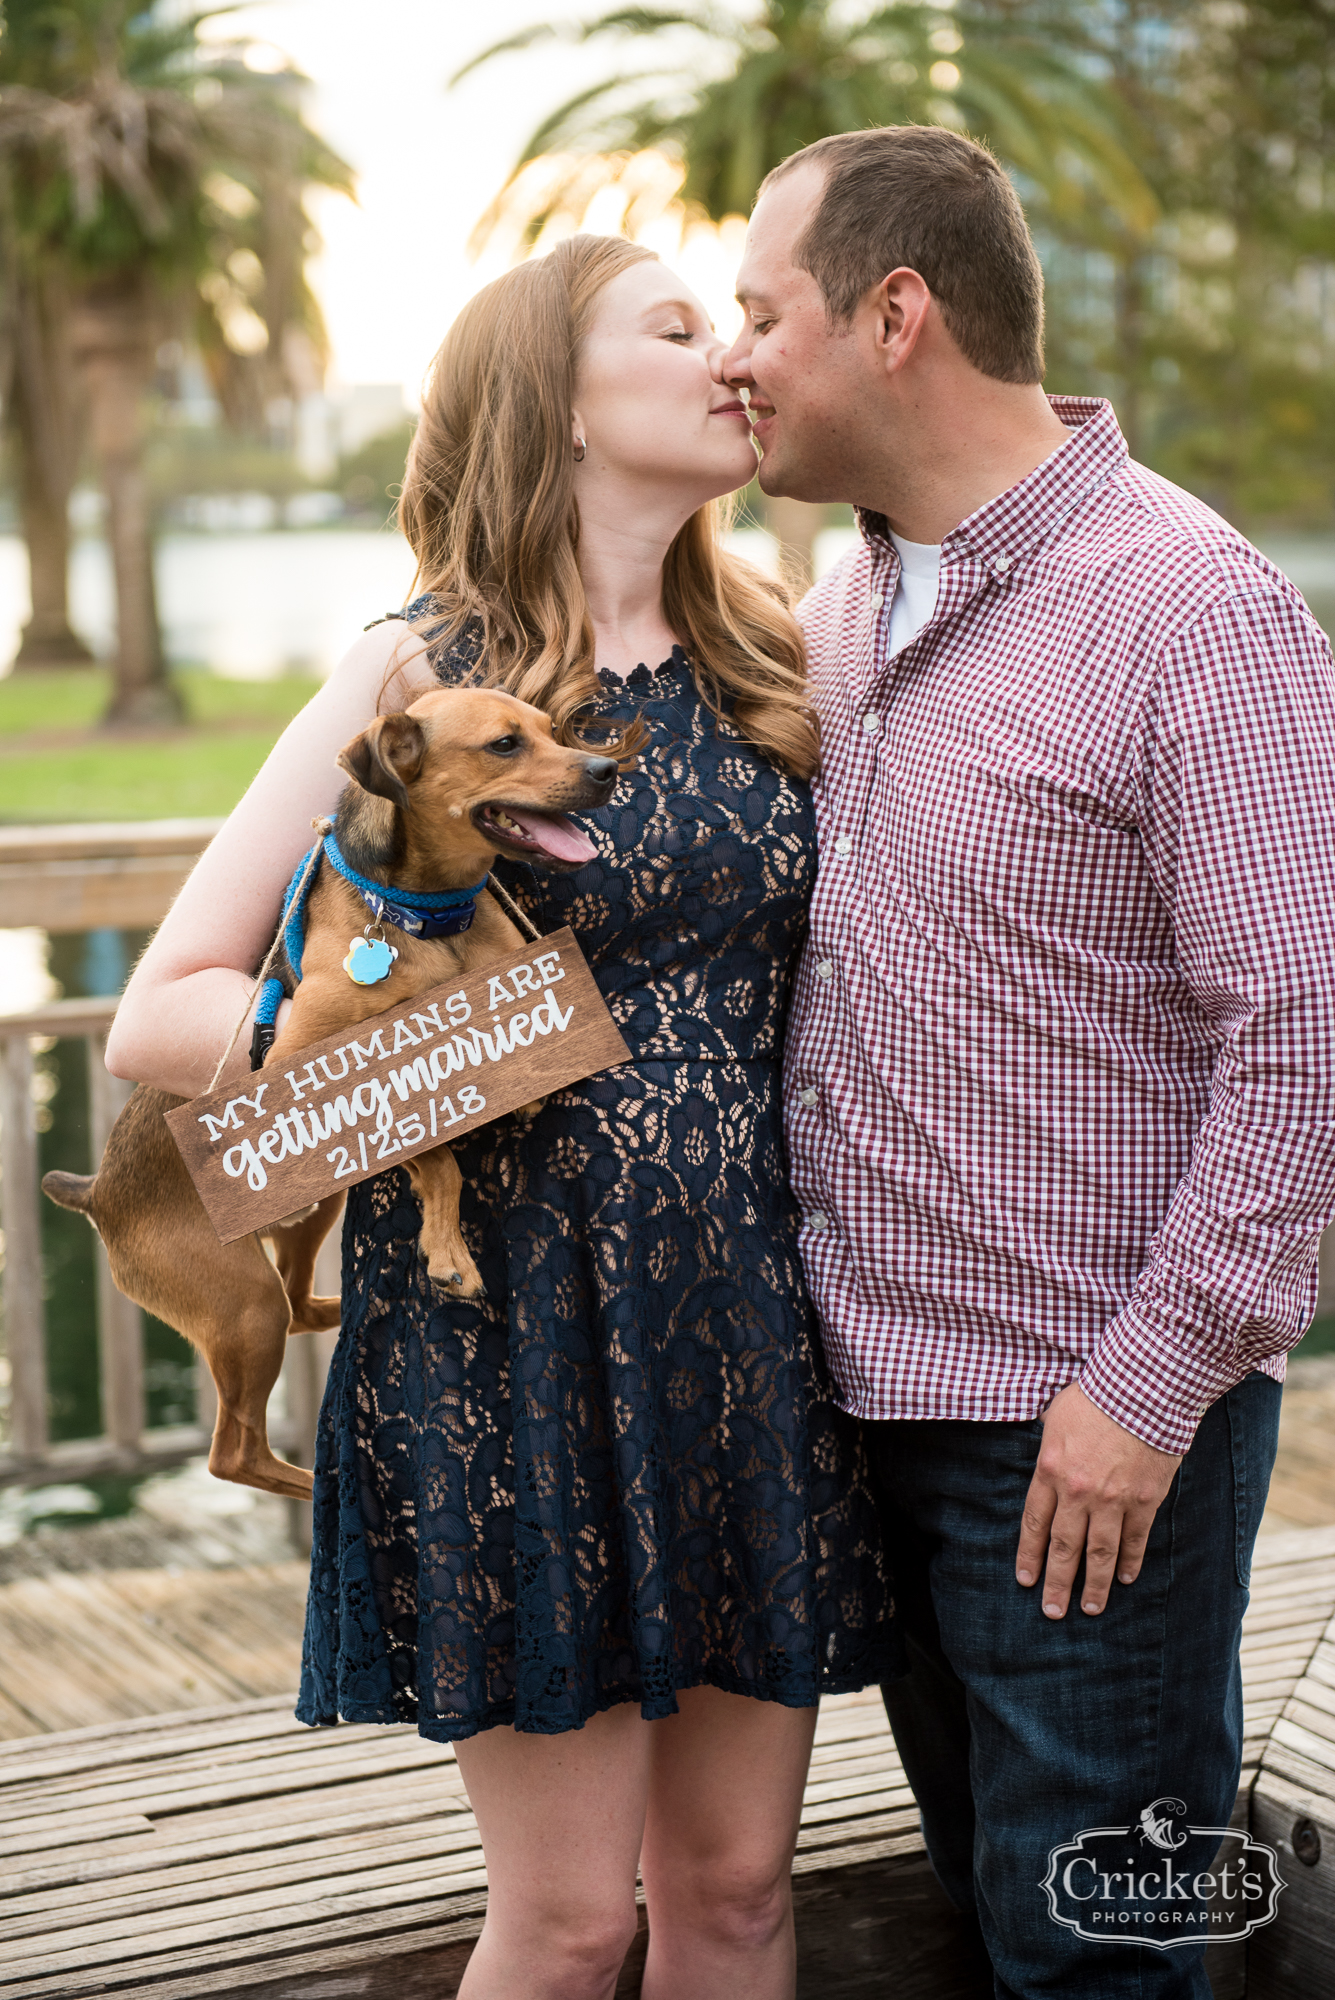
x: 252, y: 605
x: 246, y: 605
x: 259, y: 604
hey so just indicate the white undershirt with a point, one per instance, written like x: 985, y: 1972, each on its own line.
x: 915, y: 594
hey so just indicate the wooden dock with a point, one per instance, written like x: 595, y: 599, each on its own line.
x: 101, y: 1625
x: 1302, y: 1488
x: 230, y: 1851
x: 220, y: 1848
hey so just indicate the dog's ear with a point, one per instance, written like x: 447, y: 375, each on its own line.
x: 386, y: 758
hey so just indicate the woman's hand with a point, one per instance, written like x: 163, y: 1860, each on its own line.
x: 198, y: 972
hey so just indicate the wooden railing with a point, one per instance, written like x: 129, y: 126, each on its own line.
x: 76, y: 878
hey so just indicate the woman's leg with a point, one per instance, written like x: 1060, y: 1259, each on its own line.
x: 561, y: 1820
x: 725, y: 1797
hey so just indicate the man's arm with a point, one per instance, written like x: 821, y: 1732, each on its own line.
x: 1237, y: 813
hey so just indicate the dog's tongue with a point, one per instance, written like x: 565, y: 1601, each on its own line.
x: 555, y: 835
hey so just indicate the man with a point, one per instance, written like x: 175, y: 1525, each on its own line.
x: 1060, y: 1075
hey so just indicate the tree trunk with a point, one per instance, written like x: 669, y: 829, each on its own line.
x: 795, y: 525
x: 45, y: 423
x: 48, y: 638
x: 113, y: 334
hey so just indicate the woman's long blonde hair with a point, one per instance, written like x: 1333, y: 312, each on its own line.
x: 488, y: 505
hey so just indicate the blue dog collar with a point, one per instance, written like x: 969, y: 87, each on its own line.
x: 444, y: 913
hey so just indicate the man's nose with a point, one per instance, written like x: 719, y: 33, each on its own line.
x: 735, y: 367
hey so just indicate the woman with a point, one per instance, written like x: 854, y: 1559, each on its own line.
x: 605, y: 1532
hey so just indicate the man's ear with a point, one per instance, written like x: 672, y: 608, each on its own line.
x: 386, y: 757
x: 902, y: 304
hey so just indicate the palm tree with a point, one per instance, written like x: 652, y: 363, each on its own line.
x: 746, y: 90
x: 43, y: 424
x: 154, y: 175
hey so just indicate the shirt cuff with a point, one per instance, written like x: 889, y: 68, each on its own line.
x: 1150, y: 1384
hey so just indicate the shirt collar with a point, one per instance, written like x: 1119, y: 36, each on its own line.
x: 1027, y: 513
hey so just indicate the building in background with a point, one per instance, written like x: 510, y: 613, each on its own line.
x: 329, y: 425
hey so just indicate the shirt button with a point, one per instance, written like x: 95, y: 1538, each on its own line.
x: 809, y: 1097
x: 825, y: 970
x: 877, y: 600
x: 817, y: 1220
x: 843, y: 845
x: 1002, y: 566
x: 871, y: 722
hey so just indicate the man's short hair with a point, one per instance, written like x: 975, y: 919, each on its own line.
x: 928, y: 199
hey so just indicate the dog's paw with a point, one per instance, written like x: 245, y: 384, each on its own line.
x: 459, y: 1284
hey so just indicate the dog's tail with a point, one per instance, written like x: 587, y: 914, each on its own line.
x: 70, y: 1190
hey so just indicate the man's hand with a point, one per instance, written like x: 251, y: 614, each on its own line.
x: 1094, y: 1493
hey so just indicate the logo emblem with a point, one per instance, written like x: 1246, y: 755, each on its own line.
x: 1161, y: 1882
x: 1156, y: 1825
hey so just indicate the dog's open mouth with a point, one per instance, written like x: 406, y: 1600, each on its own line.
x: 550, y: 836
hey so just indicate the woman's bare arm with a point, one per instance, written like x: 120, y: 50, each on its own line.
x: 192, y: 982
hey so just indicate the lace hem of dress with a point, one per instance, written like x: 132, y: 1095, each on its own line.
x: 440, y: 1729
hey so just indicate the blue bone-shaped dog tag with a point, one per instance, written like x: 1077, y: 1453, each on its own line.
x: 369, y: 960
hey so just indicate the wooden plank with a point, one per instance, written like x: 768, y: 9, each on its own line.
x: 120, y: 1323
x: 274, y: 1797
x: 75, y: 1748
x: 1294, y: 1545
x: 1294, y: 1794
x: 1302, y: 1486
x: 369, y: 1884
x: 288, y: 1819
x: 375, y: 1897
x: 77, y: 878
x: 69, y: 1647
x: 246, y: 1623
x: 253, y: 1960
x: 128, y: 895
x: 209, y: 1876
x: 1315, y: 1694
x: 89, y: 1458
x: 216, y: 1785
x: 62, y: 1019
x: 397, y: 1807
x: 25, y: 1328
x: 103, y: 840
x: 258, y: 1155
x: 1316, y: 1747
x: 226, y: 1783
x: 1292, y: 1955
x: 296, y: 1809
x: 76, y: 1829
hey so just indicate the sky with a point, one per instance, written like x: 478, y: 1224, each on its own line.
x: 394, y: 269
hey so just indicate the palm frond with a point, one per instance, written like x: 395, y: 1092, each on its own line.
x: 798, y: 70
x: 624, y: 20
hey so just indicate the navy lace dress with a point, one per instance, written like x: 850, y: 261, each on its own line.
x: 623, y: 1474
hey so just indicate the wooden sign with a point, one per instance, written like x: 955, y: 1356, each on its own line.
x: 371, y: 1097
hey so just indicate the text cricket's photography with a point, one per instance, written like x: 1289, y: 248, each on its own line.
x: 696, y: 1357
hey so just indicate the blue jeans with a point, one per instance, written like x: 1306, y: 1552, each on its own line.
x: 1018, y: 1731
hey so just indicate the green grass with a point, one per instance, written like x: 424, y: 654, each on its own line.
x: 54, y: 766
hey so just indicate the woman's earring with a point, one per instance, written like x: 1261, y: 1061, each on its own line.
x: 580, y: 449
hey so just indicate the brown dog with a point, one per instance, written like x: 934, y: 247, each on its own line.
x: 436, y: 794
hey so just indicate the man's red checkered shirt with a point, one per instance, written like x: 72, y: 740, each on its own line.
x: 1060, y: 1082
